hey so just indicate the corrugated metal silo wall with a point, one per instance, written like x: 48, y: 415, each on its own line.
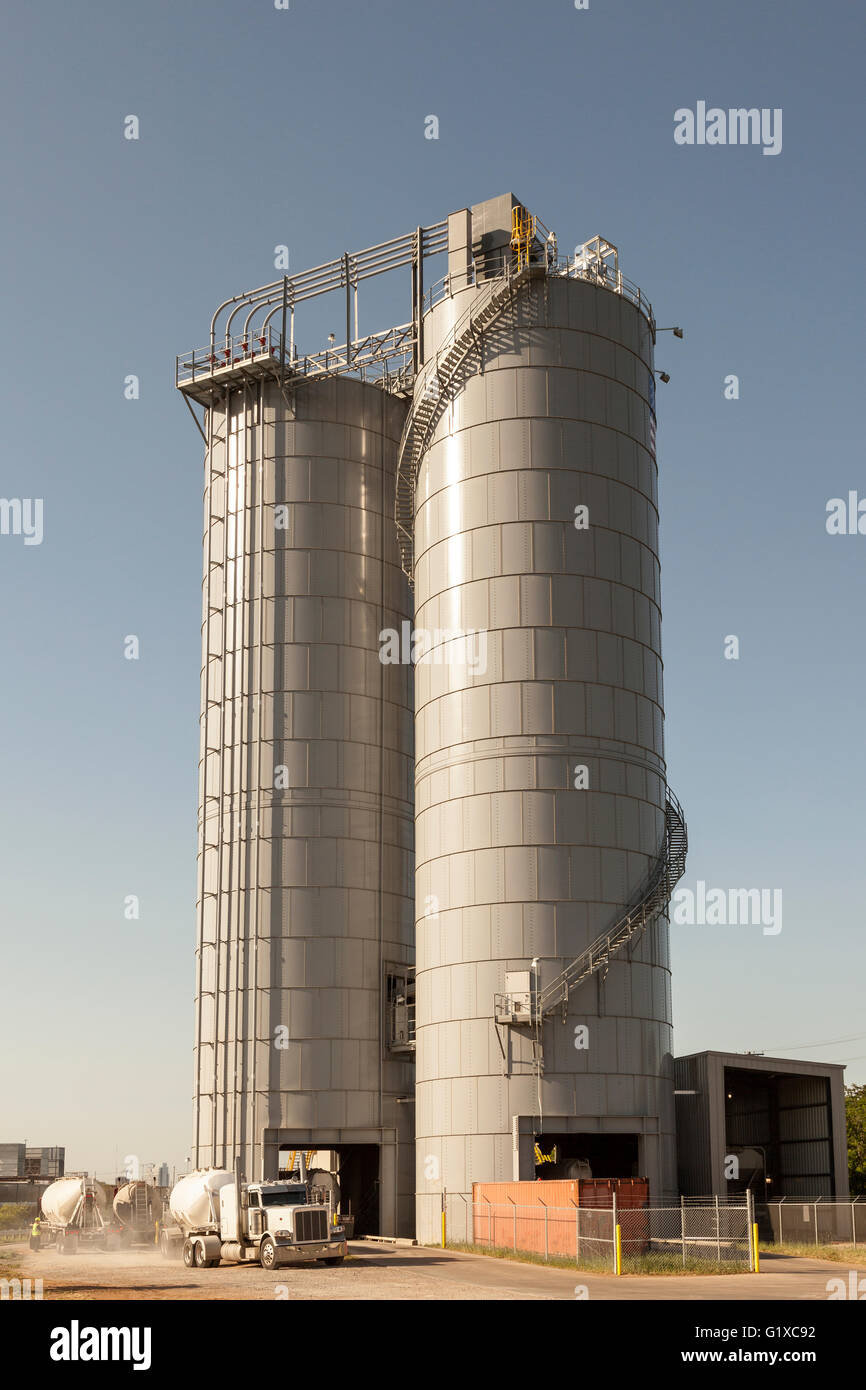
x: 512, y: 861
x: 306, y: 774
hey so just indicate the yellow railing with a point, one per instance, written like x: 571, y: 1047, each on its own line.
x: 522, y: 234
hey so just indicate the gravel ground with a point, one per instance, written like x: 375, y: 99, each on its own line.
x: 404, y: 1273
x: 371, y: 1272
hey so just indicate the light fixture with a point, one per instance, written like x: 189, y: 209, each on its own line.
x: 665, y: 376
x: 677, y: 332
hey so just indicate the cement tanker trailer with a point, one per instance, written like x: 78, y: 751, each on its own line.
x: 76, y: 1211
x: 137, y: 1206
x: 325, y: 1186
x: 193, y: 1205
x: 215, y: 1216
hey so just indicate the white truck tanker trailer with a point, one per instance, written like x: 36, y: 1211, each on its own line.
x: 137, y: 1207
x: 76, y: 1212
x: 215, y: 1216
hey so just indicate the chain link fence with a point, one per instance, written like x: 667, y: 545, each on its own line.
x: 628, y: 1240
x: 824, y: 1221
x: 673, y: 1238
x: 584, y: 1235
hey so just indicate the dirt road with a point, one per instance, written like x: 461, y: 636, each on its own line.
x: 384, y: 1272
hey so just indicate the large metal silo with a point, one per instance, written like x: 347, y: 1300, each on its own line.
x: 540, y: 774
x: 305, y: 900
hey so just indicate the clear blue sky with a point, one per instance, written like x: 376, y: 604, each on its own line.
x: 306, y: 127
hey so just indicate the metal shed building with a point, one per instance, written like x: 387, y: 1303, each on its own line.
x: 782, y: 1121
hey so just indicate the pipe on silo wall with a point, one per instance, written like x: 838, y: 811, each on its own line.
x: 514, y: 863
x: 306, y: 818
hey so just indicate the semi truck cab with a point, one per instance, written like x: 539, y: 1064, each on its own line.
x: 286, y: 1225
x: 275, y: 1223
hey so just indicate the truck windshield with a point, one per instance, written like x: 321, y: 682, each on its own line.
x: 284, y: 1199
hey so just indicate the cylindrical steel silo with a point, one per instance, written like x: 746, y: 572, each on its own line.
x: 305, y: 874
x: 540, y: 773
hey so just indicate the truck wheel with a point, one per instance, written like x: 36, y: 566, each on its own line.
x: 200, y: 1259
x: 334, y: 1260
x: 188, y: 1253
x: 165, y: 1246
x: 268, y: 1254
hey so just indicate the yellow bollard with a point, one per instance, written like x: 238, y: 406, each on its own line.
x: 757, y: 1256
x: 618, y: 1249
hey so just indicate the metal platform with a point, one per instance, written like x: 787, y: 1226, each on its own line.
x: 264, y: 344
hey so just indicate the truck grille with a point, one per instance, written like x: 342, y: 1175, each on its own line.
x: 311, y: 1223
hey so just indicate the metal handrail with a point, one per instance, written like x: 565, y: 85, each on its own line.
x: 651, y: 900
x: 245, y: 348
x: 564, y: 267
x: 201, y: 362
x: 616, y: 284
x: 457, y: 342
x: 448, y: 285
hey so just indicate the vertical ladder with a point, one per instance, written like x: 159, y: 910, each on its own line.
x: 140, y: 1205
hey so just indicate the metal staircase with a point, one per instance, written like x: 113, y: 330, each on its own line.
x: 652, y: 900
x: 432, y: 386
x: 308, y: 1159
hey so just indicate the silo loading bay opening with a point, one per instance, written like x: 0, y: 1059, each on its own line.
x: 356, y: 1168
x: 608, y: 1156
x: 359, y: 1185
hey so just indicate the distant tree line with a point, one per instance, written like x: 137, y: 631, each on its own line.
x: 855, y: 1113
x: 15, y: 1214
